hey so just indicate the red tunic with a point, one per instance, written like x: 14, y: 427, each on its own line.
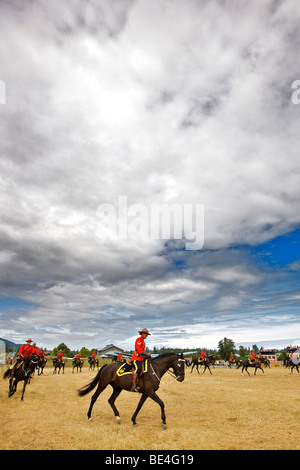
x: 25, y: 351
x: 41, y: 353
x: 140, y: 346
x: 60, y: 355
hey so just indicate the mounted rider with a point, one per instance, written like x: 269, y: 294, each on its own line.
x: 138, y: 357
x: 24, y: 352
x: 253, y: 357
x: 203, y: 356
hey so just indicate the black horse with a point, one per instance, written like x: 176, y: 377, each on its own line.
x: 77, y: 363
x: 58, y: 363
x: 148, y: 383
x: 265, y: 362
x: 234, y: 361
x: 246, y: 363
x: 22, y: 373
x: 293, y: 363
x: 93, y: 362
x: 201, y: 362
x: 42, y: 361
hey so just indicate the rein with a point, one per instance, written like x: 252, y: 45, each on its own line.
x: 168, y: 372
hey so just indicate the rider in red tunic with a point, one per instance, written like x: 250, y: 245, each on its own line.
x: 202, y: 356
x: 24, y: 352
x: 138, y: 356
x: 60, y: 355
x: 35, y: 349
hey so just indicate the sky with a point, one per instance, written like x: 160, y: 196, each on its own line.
x: 165, y: 103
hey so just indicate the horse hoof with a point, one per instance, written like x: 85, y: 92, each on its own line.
x: 118, y: 419
x: 135, y: 425
x: 164, y: 426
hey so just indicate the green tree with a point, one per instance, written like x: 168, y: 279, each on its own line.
x: 85, y: 352
x: 225, y: 348
x: 65, y: 350
x: 243, y: 352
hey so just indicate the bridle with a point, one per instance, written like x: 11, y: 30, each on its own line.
x: 175, y: 377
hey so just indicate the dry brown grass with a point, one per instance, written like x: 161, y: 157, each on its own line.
x: 222, y: 411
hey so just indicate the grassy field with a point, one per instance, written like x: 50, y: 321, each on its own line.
x: 222, y: 411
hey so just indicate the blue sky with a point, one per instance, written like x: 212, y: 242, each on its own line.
x: 175, y: 103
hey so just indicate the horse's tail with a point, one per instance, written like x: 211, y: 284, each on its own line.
x: 89, y: 387
x: 6, y: 373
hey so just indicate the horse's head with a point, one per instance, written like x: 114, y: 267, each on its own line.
x: 178, y: 368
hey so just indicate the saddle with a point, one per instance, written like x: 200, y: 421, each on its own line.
x: 127, y: 369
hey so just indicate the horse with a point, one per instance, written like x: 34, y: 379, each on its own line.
x: 22, y: 373
x: 293, y: 363
x: 148, y: 383
x: 201, y: 362
x: 92, y: 363
x: 265, y: 362
x: 58, y: 363
x: 234, y: 361
x: 257, y: 364
x: 42, y: 361
x: 77, y: 363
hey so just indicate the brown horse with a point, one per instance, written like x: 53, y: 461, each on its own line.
x: 77, y: 362
x: 148, y: 383
x: 92, y: 363
x: 257, y: 364
x: 58, y: 363
x: 293, y: 363
x: 22, y: 373
x: 201, y: 362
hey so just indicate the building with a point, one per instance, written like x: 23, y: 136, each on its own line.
x: 270, y: 354
x: 109, y: 351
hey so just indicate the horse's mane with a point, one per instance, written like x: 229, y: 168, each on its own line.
x: 168, y: 354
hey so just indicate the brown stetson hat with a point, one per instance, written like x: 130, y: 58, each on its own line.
x: 144, y: 330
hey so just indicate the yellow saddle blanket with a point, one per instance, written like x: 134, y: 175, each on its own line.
x: 127, y: 368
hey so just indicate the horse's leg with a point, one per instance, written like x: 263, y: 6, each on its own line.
x: 141, y: 402
x: 193, y: 365
x: 209, y: 370
x: 10, y: 387
x: 156, y: 398
x: 23, y: 390
x: 116, y: 392
x: 13, y: 386
x: 94, y: 398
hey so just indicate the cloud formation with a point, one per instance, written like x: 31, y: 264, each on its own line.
x: 162, y: 102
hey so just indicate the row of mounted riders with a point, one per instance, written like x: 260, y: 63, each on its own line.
x: 26, y: 369
x: 257, y: 363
